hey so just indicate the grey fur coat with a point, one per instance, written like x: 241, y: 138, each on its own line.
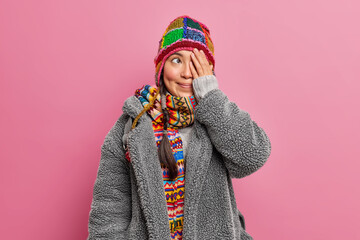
x: 129, y: 200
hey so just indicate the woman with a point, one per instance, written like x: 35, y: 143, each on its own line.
x: 167, y: 163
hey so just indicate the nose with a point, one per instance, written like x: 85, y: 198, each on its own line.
x: 186, y: 72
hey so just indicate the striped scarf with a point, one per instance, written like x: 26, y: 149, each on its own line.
x: 181, y: 114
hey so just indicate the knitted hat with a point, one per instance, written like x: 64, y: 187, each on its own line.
x: 183, y: 33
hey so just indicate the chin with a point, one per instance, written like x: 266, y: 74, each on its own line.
x: 185, y: 94
x: 181, y: 92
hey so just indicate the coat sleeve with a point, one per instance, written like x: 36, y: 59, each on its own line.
x: 244, y: 145
x: 110, y: 212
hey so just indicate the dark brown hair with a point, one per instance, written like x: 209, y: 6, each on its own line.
x: 166, y: 155
x: 165, y: 152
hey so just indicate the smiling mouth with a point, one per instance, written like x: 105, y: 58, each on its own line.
x: 188, y: 85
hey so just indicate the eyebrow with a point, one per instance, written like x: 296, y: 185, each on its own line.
x: 177, y: 54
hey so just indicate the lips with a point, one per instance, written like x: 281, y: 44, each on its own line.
x: 185, y: 85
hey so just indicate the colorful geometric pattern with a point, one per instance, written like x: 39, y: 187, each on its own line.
x: 174, y: 190
x: 183, y: 33
x: 181, y: 111
x: 147, y: 93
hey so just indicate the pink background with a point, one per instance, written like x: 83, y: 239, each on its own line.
x: 66, y: 68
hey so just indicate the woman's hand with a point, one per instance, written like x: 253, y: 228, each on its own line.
x: 199, y: 65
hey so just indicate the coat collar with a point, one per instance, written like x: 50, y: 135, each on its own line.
x: 148, y: 173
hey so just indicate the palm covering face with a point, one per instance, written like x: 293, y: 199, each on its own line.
x: 199, y: 65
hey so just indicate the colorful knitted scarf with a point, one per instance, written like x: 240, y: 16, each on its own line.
x: 181, y: 114
x: 180, y: 109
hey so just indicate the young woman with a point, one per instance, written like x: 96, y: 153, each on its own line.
x: 166, y: 165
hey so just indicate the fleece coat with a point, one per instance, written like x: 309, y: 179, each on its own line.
x: 128, y: 197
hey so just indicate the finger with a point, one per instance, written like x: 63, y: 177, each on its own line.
x: 201, y: 57
x: 197, y: 64
x: 193, y: 70
x: 205, y: 64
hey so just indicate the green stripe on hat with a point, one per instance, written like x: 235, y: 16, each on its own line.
x: 173, y: 36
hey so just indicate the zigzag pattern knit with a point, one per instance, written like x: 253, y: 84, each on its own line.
x: 174, y: 190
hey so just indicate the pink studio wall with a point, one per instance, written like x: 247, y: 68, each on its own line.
x: 66, y: 68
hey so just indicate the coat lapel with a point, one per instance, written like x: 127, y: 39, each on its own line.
x: 148, y: 173
x: 197, y: 162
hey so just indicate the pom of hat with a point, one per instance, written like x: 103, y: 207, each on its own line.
x: 183, y: 33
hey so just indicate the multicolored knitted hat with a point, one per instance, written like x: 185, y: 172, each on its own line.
x: 183, y: 33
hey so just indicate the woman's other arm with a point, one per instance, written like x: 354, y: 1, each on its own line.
x: 244, y: 145
x: 110, y: 212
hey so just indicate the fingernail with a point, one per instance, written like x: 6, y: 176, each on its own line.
x: 196, y: 50
x: 192, y: 54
